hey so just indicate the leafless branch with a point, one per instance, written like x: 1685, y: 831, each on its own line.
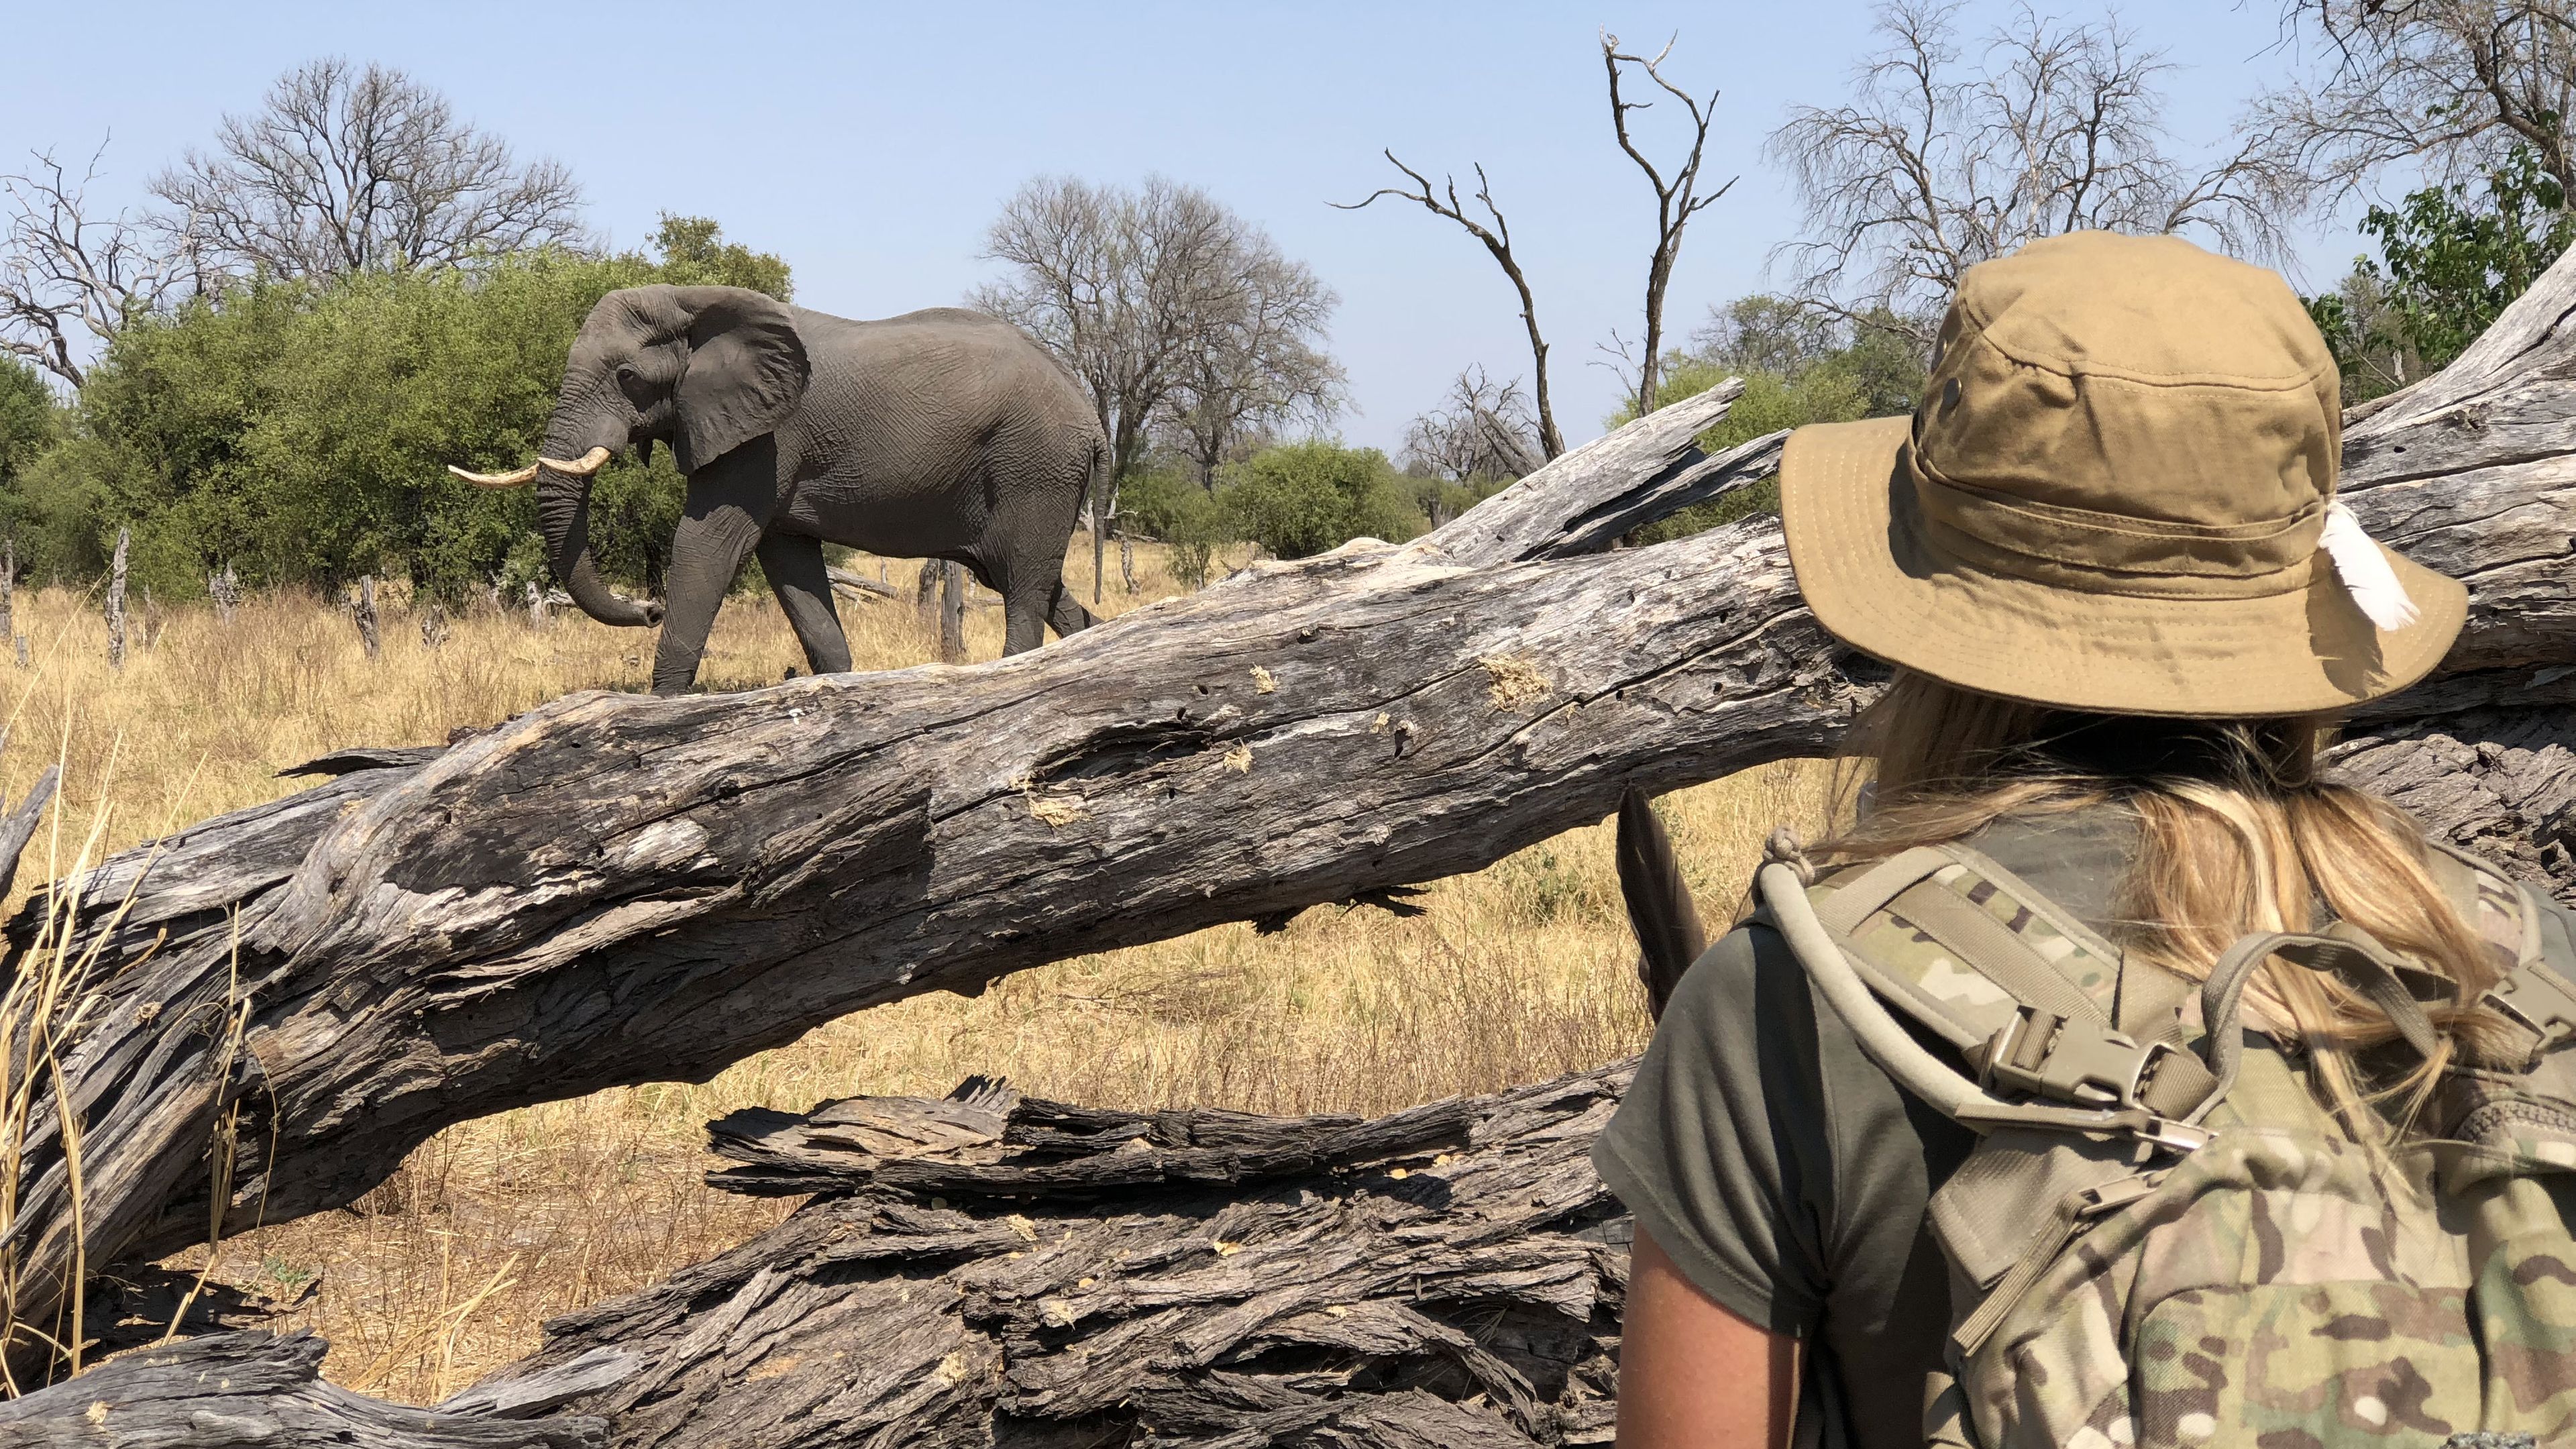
x: 1676, y: 200
x: 2449, y: 84
x: 1937, y: 164
x: 64, y: 272
x: 345, y: 169
x: 1482, y: 431
x: 1497, y: 239
x: 1169, y: 307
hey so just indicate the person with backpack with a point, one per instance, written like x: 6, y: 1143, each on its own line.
x: 2112, y: 1078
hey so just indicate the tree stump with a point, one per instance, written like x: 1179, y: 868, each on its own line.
x: 116, y: 603
x: 8, y: 589
x: 364, y: 608
x: 225, y: 589
x: 952, y: 613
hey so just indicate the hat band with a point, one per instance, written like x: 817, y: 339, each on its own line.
x: 2105, y: 553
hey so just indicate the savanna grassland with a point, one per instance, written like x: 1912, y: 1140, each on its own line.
x: 1513, y: 974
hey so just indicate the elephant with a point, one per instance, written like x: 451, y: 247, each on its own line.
x: 939, y: 434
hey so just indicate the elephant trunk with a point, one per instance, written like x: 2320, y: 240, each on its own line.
x: 563, y: 518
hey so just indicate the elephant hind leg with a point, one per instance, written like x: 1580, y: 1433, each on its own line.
x: 1034, y: 596
x: 797, y: 576
x: 1068, y: 616
x: 1023, y: 627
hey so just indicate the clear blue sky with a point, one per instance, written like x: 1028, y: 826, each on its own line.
x: 871, y: 144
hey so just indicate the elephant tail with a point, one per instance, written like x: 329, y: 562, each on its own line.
x: 1103, y: 498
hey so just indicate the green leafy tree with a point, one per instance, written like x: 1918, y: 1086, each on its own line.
x: 1301, y: 499
x: 1797, y: 369
x: 300, y: 428
x: 1166, y: 503
x: 695, y: 254
x: 2449, y: 263
x: 27, y: 418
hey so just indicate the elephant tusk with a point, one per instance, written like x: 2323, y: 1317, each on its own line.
x: 519, y: 479
x: 581, y: 467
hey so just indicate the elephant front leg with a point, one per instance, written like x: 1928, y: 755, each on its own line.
x: 794, y: 564
x: 706, y: 553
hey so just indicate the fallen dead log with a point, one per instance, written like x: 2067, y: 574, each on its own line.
x: 615, y: 889
x: 241, y: 1390
x: 857, y: 586
x: 866, y: 590
x: 988, y: 1270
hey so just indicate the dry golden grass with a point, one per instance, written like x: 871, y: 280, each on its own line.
x: 1513, y: 974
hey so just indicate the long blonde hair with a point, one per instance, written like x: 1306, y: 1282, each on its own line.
x: 2237, y: 833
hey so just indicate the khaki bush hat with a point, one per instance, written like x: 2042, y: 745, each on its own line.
x: 2116, y: 496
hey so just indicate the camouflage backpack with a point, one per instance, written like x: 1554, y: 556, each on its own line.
x: 2161, y: 1239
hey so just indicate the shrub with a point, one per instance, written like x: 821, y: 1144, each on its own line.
x: 1300, y: 499
x: 1439, y: 500
x: 27, y: 417
x: 1165, y: 504
x: 301, y: 429
x: 1868, y: 379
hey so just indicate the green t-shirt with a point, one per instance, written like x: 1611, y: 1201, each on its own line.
x: 1787, y: 1176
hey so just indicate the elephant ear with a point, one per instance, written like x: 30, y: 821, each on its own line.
x: 747, y: 370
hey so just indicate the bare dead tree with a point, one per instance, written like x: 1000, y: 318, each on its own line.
x: 1497, y: 240
x: 1677, y: 199
x: 1937, y: 164
x: 2449, y: 84
x: 1259, y: 366
x: 1155, y: 296
x: 346, y: 169
x: 65, y: 272
x: 1482, y: 430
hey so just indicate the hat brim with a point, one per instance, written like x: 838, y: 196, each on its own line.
x: 1874, y: 580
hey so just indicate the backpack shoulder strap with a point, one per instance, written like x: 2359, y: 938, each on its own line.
x: 2533, y: 955
x: 1926, y: 934
x: 2499, y: 908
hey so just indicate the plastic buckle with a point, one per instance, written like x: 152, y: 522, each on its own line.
x: 2541, y: 1002
x: 2045, y: 1054
x: 2174, y: 1136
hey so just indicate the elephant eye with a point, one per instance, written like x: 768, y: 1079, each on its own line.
x: 631, y: 383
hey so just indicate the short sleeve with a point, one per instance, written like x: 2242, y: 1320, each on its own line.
x: 1721, y: 1147
x: 1784, y: 1173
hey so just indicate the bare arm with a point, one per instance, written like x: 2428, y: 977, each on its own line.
x: 1693, y: 1375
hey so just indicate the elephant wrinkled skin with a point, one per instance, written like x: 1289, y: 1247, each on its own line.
x: 940, y: 434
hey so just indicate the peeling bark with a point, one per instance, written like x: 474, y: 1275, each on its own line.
x: 248, y: 1391
x: 991, y: 1271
